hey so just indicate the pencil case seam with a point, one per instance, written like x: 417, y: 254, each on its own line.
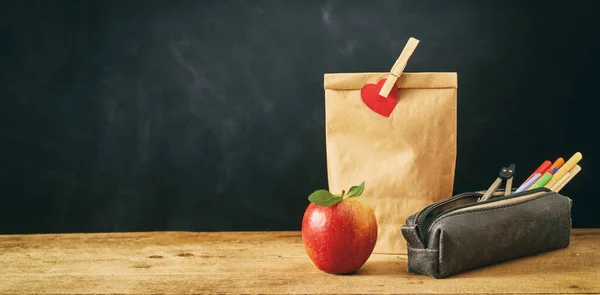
x: 490, y: 209
x: 424, y: 249
x: 567, y: 223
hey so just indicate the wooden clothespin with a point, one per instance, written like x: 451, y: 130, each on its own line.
x: 399, y: 66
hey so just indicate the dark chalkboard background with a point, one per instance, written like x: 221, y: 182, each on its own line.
x: 209, y: 115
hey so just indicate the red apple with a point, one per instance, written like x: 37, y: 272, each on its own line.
x: 339, y: 232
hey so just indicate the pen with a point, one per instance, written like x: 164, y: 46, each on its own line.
x: 569, y: 164
x: 557, y: 163
x: 545, y: 165
x: 541, y: 181
x: 525, y: 185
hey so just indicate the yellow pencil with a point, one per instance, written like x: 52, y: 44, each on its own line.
x: 561, y: 183
x: 566, y: 167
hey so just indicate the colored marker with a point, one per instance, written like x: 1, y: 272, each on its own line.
x: 558, y: 163
x: 525, y: 185
x: 545, y: 165
x: 569, y: 164
x: 542, y: 181
x: 561, y: 183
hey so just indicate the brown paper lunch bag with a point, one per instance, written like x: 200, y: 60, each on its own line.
x: 407, y: 160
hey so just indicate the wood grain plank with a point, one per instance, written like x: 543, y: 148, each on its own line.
x: 261, y: 262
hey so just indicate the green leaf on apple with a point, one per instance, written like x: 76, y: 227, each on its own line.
x: 323, y: 198
x: 356, y: 191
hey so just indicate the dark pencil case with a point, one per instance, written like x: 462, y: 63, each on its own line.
x: 459, y: 233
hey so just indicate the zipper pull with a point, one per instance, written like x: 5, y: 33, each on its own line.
x: 505, y: 174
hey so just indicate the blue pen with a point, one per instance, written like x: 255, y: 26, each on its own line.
x: 528, y: 183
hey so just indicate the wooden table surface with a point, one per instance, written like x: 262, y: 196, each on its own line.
x: 260, y: 262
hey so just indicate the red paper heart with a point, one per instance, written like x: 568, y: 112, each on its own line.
x: 379, y: 104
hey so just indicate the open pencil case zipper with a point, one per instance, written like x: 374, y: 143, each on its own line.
x: 461, y: 233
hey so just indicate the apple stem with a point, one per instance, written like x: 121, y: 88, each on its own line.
x: 343, y: 192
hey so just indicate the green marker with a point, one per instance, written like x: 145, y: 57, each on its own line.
x: 542, y: 181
